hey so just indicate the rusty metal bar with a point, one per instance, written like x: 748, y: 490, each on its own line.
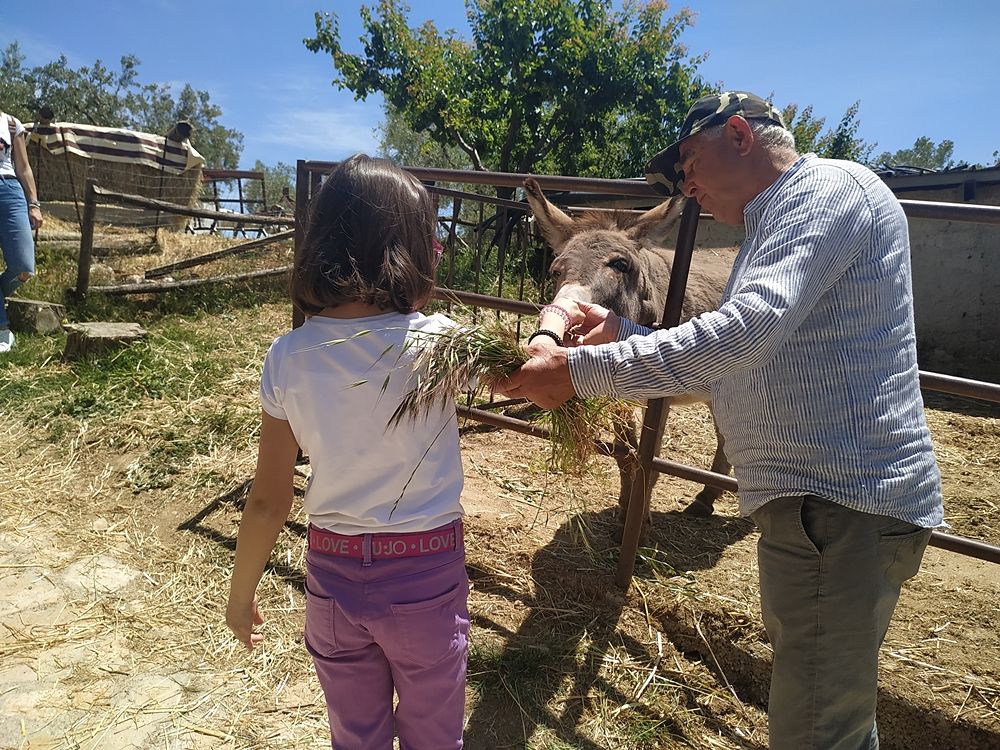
x: 951, y: 211
x: 638, y: 188
x: 949, y: 542
x: 658, y: 409
x: 484, y: 300
x: 641, y: 189
x: 934, y: 381
x: 520, y: 206
x: 964, y: 546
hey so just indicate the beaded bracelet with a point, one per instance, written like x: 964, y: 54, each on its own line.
x: 560, y: 311
x: 546, y: 332
x: 34, y: 204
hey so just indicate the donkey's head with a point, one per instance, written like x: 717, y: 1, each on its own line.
x: 615, y: 259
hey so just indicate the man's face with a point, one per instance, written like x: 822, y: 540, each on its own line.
x: 711, y: 171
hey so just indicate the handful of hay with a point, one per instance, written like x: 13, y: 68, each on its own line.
x: 455, y: 358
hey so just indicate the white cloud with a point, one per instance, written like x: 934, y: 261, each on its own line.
x: 317, y: 134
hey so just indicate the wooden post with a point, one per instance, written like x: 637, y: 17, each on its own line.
x: 657, y: 409
x: 86, y: 239
x: 302, y: 182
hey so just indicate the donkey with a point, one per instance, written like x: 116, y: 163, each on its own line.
x: 619, y: 260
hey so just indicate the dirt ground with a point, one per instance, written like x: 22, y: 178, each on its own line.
x: 111, y: 632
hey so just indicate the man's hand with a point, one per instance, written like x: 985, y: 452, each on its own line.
x: 543, y: 379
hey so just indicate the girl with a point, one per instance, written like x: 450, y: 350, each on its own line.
x: 386, y: 586
x: 20, y: 212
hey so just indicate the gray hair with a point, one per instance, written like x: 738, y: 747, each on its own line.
x: 770, y: 136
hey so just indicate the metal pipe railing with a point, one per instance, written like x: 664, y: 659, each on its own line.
x: 308, y: 175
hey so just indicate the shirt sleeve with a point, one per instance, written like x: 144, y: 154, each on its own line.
x: 816, y: 233
x: 270, y: 386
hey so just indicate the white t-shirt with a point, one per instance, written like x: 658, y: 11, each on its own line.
x: 337, y: 382
x: 6, y: 155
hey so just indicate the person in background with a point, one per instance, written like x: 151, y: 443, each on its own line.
x: 386, y: 585
x: 20, y: 213
x: 811, y: 364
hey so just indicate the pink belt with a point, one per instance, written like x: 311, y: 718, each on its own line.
x: 387, y: 546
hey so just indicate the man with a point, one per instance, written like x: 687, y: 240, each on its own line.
x: 811, y: 365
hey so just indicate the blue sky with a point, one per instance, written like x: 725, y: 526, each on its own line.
x: 917, y: 67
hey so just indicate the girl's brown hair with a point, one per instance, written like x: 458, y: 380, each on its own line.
x: 369, y: 239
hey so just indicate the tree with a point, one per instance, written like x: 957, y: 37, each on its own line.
x: 562, y: 86
x: 925, y: 154
x: 401, y: 143
x: 221, y: 146
x: 276, y: 180
x: 98, y: 95
x: 842, y: 142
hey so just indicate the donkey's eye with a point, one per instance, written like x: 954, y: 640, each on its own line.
x: 619, y: 264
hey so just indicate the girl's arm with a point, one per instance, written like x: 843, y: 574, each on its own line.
x: 27, y: 179
x: 265, y: 513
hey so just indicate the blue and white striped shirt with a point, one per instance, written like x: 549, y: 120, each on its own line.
x: 811, y: 358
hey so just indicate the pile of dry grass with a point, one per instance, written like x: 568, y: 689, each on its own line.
x: 447, y: 361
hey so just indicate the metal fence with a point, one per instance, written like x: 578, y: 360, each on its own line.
x: 515, y: 241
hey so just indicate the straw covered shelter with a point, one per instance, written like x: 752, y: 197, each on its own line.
x: 65, y: 155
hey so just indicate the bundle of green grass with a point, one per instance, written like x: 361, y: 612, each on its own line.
x: 447, y: 362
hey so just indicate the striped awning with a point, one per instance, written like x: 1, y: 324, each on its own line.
x: 116, y: 144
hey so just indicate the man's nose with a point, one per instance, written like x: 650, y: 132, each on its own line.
x: 687, y: 188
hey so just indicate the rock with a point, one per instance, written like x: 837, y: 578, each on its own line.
x: 101, y: 275
x: 34, y: 316
x: 93, y: 339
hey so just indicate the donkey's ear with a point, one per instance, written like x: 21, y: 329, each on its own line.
x: 659, y: 225
x: 556, y: 226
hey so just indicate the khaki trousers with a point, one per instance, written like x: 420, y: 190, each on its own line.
x: 829, y: 581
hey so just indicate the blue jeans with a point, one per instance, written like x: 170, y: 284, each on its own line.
x: 15, y: 241
x: 829, y: 581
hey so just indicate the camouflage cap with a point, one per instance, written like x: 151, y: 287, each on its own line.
x: 715, y: 109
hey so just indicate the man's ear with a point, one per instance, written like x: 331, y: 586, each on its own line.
x: 740, y: 134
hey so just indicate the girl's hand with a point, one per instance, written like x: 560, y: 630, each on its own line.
x: 600, y: 325
x: 241, y: 618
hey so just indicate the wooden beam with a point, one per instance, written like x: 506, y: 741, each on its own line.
x: 198, y: 260
x: 109, y: 196
x: 166, y: 286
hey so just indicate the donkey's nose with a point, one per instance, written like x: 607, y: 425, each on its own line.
x: 574, y: 290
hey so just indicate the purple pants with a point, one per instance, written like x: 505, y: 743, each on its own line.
x: 398, y: 624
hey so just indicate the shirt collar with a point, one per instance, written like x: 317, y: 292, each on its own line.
x: 755, y: 208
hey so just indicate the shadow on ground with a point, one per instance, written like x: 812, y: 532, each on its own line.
x: 549, y: 677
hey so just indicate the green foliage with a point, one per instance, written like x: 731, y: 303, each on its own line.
x: 925, y: 153
x: 276, y: 179
x: 404, y: 145
x: 560, y: 86
x: 842, y: 142
x: 99, y: 95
